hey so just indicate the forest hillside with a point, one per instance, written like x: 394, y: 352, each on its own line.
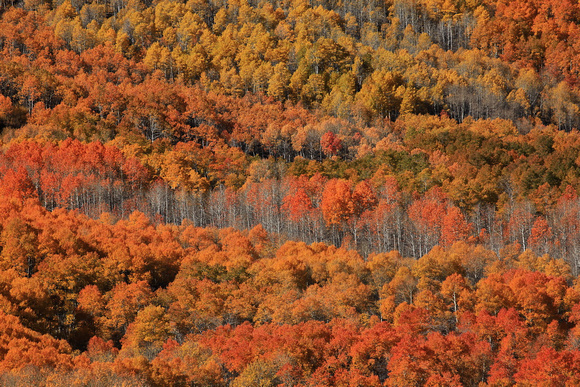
x: 289, y: 193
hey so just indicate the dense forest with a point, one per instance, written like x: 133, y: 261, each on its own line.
x: 289, y: 193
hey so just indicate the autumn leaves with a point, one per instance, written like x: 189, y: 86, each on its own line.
x: 224, y: 307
